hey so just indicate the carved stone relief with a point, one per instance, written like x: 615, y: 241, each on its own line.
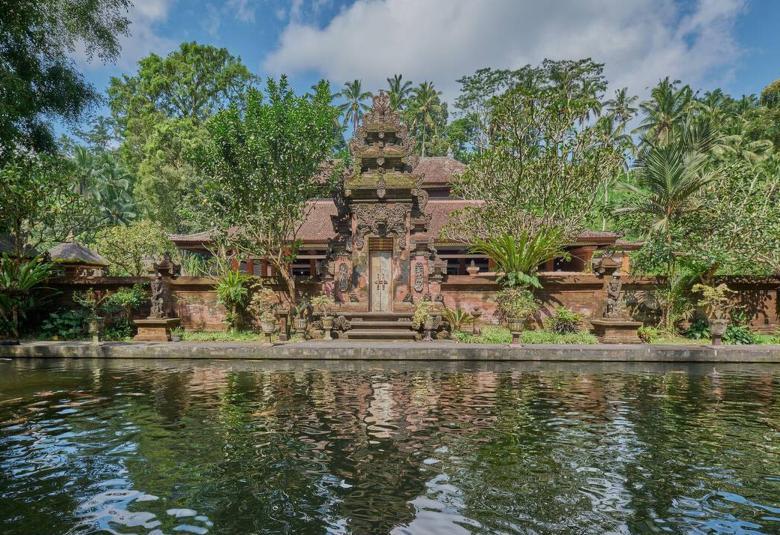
x: 419, y: 276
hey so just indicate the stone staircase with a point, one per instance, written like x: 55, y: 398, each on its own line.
x: 379, y: 326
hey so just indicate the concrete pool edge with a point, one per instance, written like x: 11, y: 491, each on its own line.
x: 435, y: 351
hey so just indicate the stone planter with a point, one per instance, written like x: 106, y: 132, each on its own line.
x: 327, y: 326
x: 300, y: 325
x: 516, y: 326
x: 428, y: 328
x: 95, y: 328
x: 268, y: 327
x: 717, y: 330
x: 155, y: 329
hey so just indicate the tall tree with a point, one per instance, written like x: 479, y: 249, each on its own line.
x: 426, y: 114
x: 264, y: 161
x: 544, y: 163
x: 160, y: 111
x: 39, y: 80
x: 667, y: 108
x: 398, y: 91
x: 355, y: 104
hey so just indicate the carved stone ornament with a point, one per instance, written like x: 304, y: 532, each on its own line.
x: 381, y: 220
x: 158, y: 308
x: 419, y: 276
x: 343, y: 277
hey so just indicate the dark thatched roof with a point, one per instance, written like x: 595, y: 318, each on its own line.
x: 74, y: 253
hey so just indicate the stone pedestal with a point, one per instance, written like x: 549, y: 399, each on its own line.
x: 617, y: 331
x: 155, y: 329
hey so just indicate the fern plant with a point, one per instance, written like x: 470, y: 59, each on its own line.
x: 518, y: 256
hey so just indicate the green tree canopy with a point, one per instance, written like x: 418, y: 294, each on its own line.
x: 38, y: 80
x: 263, y: 160
x: 160, y: 111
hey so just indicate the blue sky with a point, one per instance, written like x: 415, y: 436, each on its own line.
x: 733, y: 44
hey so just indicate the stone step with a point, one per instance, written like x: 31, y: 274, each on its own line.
x: 379, y: 316
x: 379, y: 334
x: 402, y: 324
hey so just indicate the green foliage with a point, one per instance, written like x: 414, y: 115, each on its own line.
x: 519, y: 255
x: 106, y: 183
x: 399, y: 92
x: 770, y: 95
x: 545, y: 160
x: 160, y: 112
x: 426, y: 115
x: 563, y: 321
x: 197, y: 265
x: 263, y: 304
x: 126, y: 300
x: 218, y: 336
x: 18, y: 281
x: 516, y: 303
x: 355, y: 105
x: 500, y: 335
x: 699, y: 330
x: 648, y: 335
x: 233, y: 293
x: 716, y: 300
x: 264, y: 160
x: 423, y: 310
x: 322, y: 304
x: 128, y: 247
x: 37, y: 41
x: 738, y: 335
x: 457, y: 318
x: 39, y: 204
x: 68, y: 324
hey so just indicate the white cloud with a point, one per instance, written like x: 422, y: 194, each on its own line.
x: 640, y: 41
x: 142, y: 38
x: 243, y: 10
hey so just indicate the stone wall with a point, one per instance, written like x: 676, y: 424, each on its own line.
x: 195, y: 299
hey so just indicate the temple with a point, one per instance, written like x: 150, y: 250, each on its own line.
x: 376, y: 246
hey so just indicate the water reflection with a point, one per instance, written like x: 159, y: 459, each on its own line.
x: 291, y: 447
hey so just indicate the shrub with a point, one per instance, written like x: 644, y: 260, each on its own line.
x: 322, y: 304
x: 65, y: 325
x: 699, y: 330
x: 233, y: 294
x: 547, y: 337
x: 648, y: 335
x: 422, y: 311
x: 738, y: 335
x: 263, y: 304
x: 563, y: 321
x: 457, y: 318
x: 518, y: 303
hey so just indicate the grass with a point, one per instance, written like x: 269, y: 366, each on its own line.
x: 218, y: 336
x: 492, y: 334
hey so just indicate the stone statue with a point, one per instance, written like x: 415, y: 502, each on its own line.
x: 615, y: 308
x: 158, y: 298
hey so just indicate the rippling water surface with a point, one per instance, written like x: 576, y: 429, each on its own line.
x: 228, y: 448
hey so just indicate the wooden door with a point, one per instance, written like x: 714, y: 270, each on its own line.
x: 381, y: 271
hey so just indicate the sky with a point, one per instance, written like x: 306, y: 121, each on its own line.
x: 732, y: 44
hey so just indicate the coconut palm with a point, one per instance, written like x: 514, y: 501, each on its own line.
x: 398, y: 91
x: 666, y: 110
x: 621, y: 108
x: 666, y: 181
x: 355, y: 105
x: 426, y: 111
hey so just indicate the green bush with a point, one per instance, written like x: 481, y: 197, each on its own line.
x: 699, y: 330
x: 65, y: 325
x: 500, y: 335
x: 563, y: 321
x: 648, y: 335
x: 738, y: 335
x: 119, y: 329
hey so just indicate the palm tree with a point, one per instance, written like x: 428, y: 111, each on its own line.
x: 426, y: 110
x: 621, y: 108
x: 355, y: 106
x: 665, y: 111
x: 667, y: 179
x: 399, y: 91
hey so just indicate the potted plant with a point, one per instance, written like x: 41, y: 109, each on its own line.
x: 90, y: 300
x: 300, y: 321
x: 716, y: 302
x: 424, y: 318
x: 323, y: 306
x: 516, y: 305
x: 263, y: 306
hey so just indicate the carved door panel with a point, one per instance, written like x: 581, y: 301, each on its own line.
x: 381, y: 271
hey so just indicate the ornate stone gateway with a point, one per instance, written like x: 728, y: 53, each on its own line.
x: 382, y: 249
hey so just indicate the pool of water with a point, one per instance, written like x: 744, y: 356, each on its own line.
x: 304, y: 447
